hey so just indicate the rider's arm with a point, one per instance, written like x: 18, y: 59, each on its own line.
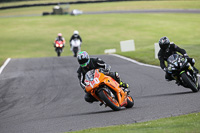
x: 72, y: 37
x: 54, y: 44
x: 63, y: 40
x: 55, y: 40
x: 80, y: 38
x: 101, y: 64
x: 162, y: 61
x: 180, y: 50
x: 81, y: 78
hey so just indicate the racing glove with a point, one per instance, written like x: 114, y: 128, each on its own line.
x: 104, y: 71
x: 165, y: 69
x: 185, y: 56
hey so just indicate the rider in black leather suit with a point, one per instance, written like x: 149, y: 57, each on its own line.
x: 166, y: 50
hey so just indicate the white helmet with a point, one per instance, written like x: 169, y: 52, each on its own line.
x: 76, y: 32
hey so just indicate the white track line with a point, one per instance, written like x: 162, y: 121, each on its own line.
x: 4, y: 65
x: 136, y: 62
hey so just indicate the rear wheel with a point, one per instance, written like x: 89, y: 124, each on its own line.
x: 109, y: 100
x: 130, y: 102
x: 189, y: 82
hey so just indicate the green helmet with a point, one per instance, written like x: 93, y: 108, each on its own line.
x: 83, y: 58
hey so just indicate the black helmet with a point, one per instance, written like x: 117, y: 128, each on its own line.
x: 164, y: 43
x: 83, y: 58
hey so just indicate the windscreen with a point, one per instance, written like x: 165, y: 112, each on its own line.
x: 173, y: 58
x: 90, y: 75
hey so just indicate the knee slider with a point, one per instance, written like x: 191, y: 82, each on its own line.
x: 193, y: 60
x: 88, y: 99
x: 117, y: 75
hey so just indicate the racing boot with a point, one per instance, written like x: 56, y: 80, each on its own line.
x: 177, y: 80
x: 121, y: 84
x: 125, y: 87
x: 192, y: 62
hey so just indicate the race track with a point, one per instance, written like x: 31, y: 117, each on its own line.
x: 42, y: 95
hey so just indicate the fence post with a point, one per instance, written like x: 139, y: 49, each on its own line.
x: 157, y: 48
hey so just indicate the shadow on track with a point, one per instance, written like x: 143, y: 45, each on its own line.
x: 168, y: 94
x: 80, y: 114
x: 90, y: 113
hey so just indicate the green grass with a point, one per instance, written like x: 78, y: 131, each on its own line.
x: 3, y: 4
x: 24, y: 37
x: 180, y: 124
x: 30, y: 37
x: 145, y: 3
x: 136, y: 5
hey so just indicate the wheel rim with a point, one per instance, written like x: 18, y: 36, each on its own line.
x: 113, y: 100
x: 130, y: 98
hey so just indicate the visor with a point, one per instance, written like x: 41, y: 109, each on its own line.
x: 85, y: 64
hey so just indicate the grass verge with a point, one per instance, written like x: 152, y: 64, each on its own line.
x: 107, y: 6
x: 180, y: 124
x: 26, y: 37
x: 145, y: 4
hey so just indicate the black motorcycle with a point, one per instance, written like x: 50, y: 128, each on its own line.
x: 183, y: 72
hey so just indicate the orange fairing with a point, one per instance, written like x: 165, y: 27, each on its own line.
x: 100, y: 79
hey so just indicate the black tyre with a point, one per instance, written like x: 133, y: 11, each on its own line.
x: 189, y: 82
x: 130, y: 102
x: 110, y: 101
x: 75, y: 50
x: 58, y: 53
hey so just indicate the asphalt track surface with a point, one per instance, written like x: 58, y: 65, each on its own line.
x: 42, y: 95
x: 122, y: 12
x: 146, y: 11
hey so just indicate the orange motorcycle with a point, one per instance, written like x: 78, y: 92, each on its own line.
x: 106, y: 90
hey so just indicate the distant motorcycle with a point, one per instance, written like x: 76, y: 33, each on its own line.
x: 75, y: 46
x: 106, y: 90
x: 58, y: 47
x: 183, y: 72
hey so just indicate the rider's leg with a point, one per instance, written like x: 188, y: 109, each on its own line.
x: 89, y: 98
x: 116, y: 76
x: 192, y: 62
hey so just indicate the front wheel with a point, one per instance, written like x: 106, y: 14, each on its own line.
x: 198, y: 86
x: 58, y: 52
x: 189, y: 82
x: 75, y: 50
x: 130, y: 102
x: 109, y: 100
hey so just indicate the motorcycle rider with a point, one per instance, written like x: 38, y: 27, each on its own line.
x: 75, y: 36
x: 59, y: 38
x: 168, y: 48
x: 87, y: 64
